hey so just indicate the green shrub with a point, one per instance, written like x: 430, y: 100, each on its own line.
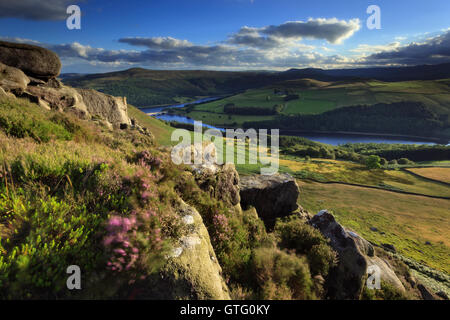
x: 44, y: 237
x: 321, y: 259
x: 404, y: 161
x: 55, y: 201
x: 281, y: 276
x: 373, y: 162
x: 294, y: 233
x: 393, y: 162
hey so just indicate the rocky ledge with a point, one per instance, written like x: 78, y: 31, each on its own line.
x: 273, y: 196
x: 30, y: 72
x: 355, y: 254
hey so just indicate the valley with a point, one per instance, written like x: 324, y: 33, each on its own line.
x: 406, y: 210
x: 244, y: 152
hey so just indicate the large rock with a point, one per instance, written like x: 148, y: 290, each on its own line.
x: 273, y: 196
x: 63, y: 99
x: 221, y: 181
x: 40, y: 86
x: 112, y: 109
x: 32, y: 60
x: 426, y: 293
x: 355, y: 255
x: 192, y: 270
x: 85, y: 103
x: 4, y: 94
x: 387, y: 274
x: 12, y: 79
x: 201, y: 156
x: 347, y: 279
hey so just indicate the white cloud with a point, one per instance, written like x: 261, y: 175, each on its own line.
x: 332, y: 30
x: 171, y: 53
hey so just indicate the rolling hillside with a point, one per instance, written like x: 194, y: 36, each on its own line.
x: 420, y: 107
x: 157, y: 87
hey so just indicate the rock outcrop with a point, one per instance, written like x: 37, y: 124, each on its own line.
x: 63, y: 99
x: 12, y: 79
x: 425, y: 292
x: 273, y: 196
x: 112, y: 109
x: 29, y: 72
x: 355, y: 255
x: 32, y: 60
x: 221, y: 181
x: 192, y: 270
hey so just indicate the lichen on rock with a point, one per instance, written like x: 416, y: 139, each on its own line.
x: 355, y: 255
x: 192, y: 270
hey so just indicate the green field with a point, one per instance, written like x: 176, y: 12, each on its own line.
x: 417, y: 226
x: 316, y: 99
x: 406, y: 221
x: 352, y: 173
x: 439, y: 174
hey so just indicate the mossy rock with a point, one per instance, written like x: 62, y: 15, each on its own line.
x: 192, y: 271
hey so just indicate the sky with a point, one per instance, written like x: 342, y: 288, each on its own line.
x: 232, y: 34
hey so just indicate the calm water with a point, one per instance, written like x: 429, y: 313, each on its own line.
x: 181, y: 105
x: 337, y: 139
x: 328, y: 138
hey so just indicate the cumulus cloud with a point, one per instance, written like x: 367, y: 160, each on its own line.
x: 332, y: 30
x: 251, y: 37
x: 192, y: 56
x: 170, y: 53
x: 278, y: 47
x: 204, y: 57
x: 431, y: 51
x: 366, y: 48
x: 35, y: 9
x: 157, y: 42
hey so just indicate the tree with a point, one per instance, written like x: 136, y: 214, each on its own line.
x: 403, y: 161
x: 393, y: 162
x: 373, y: 162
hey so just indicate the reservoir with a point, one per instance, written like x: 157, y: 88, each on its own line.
x: 334, y: 139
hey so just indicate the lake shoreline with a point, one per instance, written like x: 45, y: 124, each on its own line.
x: 373, y: 134
x: 408, y: 139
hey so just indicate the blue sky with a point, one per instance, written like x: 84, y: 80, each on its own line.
x: 231, y: 34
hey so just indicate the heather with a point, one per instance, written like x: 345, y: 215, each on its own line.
x: 294, y: 234
x: 72, y: 192
x: 105, y: 200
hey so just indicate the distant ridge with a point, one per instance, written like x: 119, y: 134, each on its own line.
x: 422, y: 72
x: 144, y: 87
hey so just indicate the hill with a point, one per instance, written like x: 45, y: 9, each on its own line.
x: 423, y: 72
x: 310, y: 105
x: 85, y: 183
x: 145, y: 88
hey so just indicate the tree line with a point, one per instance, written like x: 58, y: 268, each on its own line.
x: 401, y: 118
x: 232, y: 109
